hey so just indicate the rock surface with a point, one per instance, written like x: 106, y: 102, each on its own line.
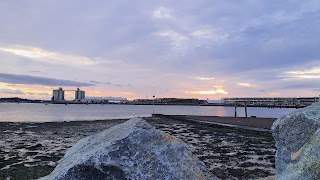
x: 297, y: 138
x: 131, y: 150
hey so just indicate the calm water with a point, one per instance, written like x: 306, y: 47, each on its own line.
x: 56, y: 112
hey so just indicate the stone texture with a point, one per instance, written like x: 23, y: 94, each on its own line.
x: 131, y: 150
x: 297, y: 138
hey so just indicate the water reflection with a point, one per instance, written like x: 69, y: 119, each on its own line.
x: 54, y: 112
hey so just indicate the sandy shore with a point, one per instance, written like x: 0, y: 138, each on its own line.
x: 31, y: 150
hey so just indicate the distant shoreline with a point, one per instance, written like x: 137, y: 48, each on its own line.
x: 157, y: 104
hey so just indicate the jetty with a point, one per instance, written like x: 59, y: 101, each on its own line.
x: 252, y: 123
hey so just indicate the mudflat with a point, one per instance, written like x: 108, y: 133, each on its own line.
x: 32, y: 150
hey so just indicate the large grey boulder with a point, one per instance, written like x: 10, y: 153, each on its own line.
x: 131, y: 150
x: 297, y: 138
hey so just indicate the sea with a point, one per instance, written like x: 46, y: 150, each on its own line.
x: 28, y: 112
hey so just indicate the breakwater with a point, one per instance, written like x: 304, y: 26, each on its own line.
x: 236, y: 122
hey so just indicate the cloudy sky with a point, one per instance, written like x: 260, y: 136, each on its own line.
x: 136, y: 49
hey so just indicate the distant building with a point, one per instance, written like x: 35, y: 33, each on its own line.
x: 167, y: 101
x: 79, y: 94
x: 214, y: 102
x: 58, y: 95
x: 104, y: 100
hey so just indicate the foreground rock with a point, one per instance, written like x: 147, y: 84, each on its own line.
x: 297, y: 138
x: 131, y: 150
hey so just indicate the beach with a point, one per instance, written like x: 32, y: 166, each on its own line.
x: 32, y: 150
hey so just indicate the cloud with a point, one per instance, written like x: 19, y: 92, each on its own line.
x: 201, y: 34
x: 108, y: 83
x: 95, y: 82
x: 43, y: 94
x: 204, y: 78
x: 25, y: 79
x: 162, y: 13
x: 312, y: 73
x: 273, y: 93
x: 127, y: 93
x: 39, y: 54
x: 10, y: 91
x: 244, y: 84
x: 299, y: 84
x: 209, y: 34
x: 218, y: 90
x: 34, y: 71
x: 196, y: 40
x: 247, y: 41
x: 174, y: 36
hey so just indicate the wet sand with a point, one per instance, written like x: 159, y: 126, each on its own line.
x: 228, y: 152
x: 31, y: 150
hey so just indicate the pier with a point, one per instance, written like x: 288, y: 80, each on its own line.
x: 252, y: 123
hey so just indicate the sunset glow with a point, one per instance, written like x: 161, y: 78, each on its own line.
x: 244, y: 84
x: 218, y: 90
x: 312, y: 73
x: 43, y: 55
x: 205, y: 78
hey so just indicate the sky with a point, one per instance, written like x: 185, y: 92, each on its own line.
x: 206, y: 49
